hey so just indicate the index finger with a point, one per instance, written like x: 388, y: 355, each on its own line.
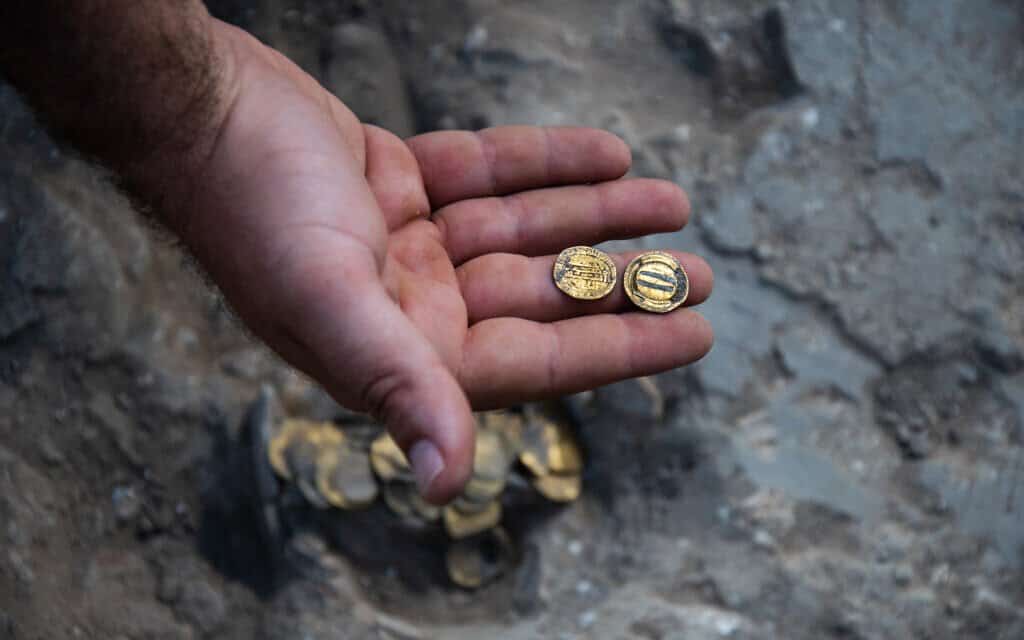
x: 511, y: 360
x: 457, y: 165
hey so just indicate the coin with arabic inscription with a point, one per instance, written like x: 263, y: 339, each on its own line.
x: 585, y: 273
x: 655, y: 281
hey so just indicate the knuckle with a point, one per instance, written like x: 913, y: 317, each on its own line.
x: 384, y: 396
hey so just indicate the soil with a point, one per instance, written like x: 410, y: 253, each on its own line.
x: 846, y: 463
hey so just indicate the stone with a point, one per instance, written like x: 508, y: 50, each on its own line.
x: 127, y: 504
x: 117, y: 593
x: 638, y: 398
x: 202, y: 605
x: 7, y: 628
x: 116, y: 425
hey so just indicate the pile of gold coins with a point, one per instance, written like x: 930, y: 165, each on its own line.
x: 654, y: 281
x: 350, y: 468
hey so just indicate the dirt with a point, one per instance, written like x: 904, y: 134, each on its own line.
x: 846, y: 463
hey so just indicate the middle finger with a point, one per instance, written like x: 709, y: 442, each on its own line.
x: 538, y: 222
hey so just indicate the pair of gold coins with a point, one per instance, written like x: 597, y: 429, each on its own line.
x: 654, y: 281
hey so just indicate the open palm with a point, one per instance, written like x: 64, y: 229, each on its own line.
x: 413, y: 278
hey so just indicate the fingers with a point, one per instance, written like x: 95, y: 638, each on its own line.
x: 510, y: 360
x: 507, y: 285
x: 369, y: 355
x: 463, y: 164
x: 547, y: 220
x: 394, y: 177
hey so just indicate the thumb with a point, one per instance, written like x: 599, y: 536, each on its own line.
x: 372, y: 356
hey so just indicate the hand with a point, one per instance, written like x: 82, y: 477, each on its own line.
x: 413, y: 279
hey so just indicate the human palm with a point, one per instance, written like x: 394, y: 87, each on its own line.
x: 413, y: 278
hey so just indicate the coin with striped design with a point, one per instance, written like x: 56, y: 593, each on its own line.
x: 585, y: 273
x: 655, y: 281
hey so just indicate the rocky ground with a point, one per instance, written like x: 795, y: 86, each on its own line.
x: 847, y: 462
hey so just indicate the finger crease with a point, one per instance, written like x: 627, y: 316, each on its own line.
x: 441, y: 223
x: 489, y: 153
x: 515, y: 211
x: 633, y: 368
x: 601, y: 210
x: 554, y: 355
x: 548, y: 155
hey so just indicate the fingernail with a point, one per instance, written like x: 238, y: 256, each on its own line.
x: 426, y: 462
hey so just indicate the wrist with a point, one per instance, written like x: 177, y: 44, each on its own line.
x: 168, y: 179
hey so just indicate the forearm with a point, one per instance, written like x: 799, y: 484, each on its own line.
x: 139, y: 85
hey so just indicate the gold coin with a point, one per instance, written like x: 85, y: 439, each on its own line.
x: 290, y: 431
x: 584, y: 273
x: 397, y: 497
x: 302, y: 453
x: 655, y: 281
x: 325, y: 435
x: 301, y: 457
x: 461, y: 525
x: 483, y: 489
x: 558, y: 488
x: 549, y: 446
x: 509, y: 427
x: 387, y: 459
x: 465, y: 563
x: 490, y: 458
x: 404, y: 501
x: 344, y: 478
x: 422, y: 508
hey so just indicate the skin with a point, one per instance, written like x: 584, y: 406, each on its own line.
x: 411, y: 278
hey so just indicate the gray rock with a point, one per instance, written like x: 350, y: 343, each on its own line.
x: 28, y: 502
x: 744, y: 314
x: 637, y: 399
x: 817, y: 358
x: 251, y: 364
x: 203, y: 606
x: 730, y: 226
x: 189, y: 588
x: 116, y: 425
x: 7, y: 628
x: 20, y: 566
x: 118, y: 590
x: 942, y: 114
x: 1000, y: 351
x: 18, y: 310
x: 127, y: 504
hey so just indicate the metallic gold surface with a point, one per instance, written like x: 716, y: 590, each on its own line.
x: 484, y: 489
x: 387, y: 459
x: 290, y: 430
x: 344, y: 477
x: 467, y: 505
x: 404, y: 501
x: 348, y: 466
x: 491, y: 458
x: 559, y: 488
x: 465, y: 563
x: 509, y: 425
x: 549, y: 446
x: 460, y: 525
x: 655, y: 281
x: 584, y: 273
